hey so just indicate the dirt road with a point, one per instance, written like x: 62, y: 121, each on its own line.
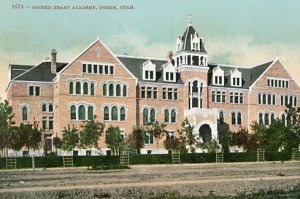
x: 149, y: 181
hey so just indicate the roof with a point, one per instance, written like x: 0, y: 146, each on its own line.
x: 41, y: 72
x: 16, y: 70
x: 249, y: 75
x: 186, y: 38
x: 135, y: 66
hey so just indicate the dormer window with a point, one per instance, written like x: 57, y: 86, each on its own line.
x: 149, y: 71
x: 218, y: 76
x: 169, y: 72
x: 195, y: 42
x: 236, y: 78
x: 179, y: 43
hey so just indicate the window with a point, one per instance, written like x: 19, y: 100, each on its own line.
x: 149, y: 75
x: 34, y: 90
x: 73, y: 112
x: 152, y: 115
x: 261, y: 121
x: 145, y: 116
x: 111, y: 90
x: 106, y: 113
x: 50, y: 108
x: 44, y: 122
x: 173, y: 116
x: 148, y: 138
x: 236, y: 118
x: 98, y: 69
x: 71, y: 89
x: 277, y: 83
x: 170, y: 76
x: 236, y: 81
x: 236, y: 98
x: 118, y: 90
x: 288, y: 99
x: 85, y: 88
x: 81, y: 112
x: 266, y: 118
x: 124, y: 91
x: 218, y: 80
x: 166, y: 115
x: 221, y: 117
x: 122, y: 114
x: 114, y: 113
x: 44, y: 107
x: 92, y: 89
x: 170, y: 93
x: 90, y: 113
x: 50, y: 123
x: 149, y: 92
x: 104, y: 88
x: 218, y: 96
x: 24, y: 113
x: 266, y: 99
x: 78, y: 88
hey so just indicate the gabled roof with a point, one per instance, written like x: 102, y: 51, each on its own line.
x: 16, y: 70
x: 135, y: 66
x: 186, y: 38
x: 249, y: 75
x: 41, y: 72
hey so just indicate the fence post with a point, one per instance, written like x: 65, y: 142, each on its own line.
x: 219, y: 156
x: 260, y: 155
x: 124, y: 158
x: 295, y: 154
x: 33, y: 163
x: 175, y: 156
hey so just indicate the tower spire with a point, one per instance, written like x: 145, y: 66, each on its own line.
x: 190, y: 20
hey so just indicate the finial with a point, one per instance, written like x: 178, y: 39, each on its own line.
x: 190, y: 19
x: 98, y: 37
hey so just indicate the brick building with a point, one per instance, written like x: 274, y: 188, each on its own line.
x: 128, y: 91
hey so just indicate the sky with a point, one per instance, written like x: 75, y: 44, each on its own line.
x: 238, y: 32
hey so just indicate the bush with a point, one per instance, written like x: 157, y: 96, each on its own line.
x: 240, y: 157
x: 198, y: 157
x: 150, y: 159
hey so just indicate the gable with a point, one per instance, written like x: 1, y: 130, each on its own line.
x: 97, y: 53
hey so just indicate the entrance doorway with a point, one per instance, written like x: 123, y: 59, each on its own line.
x: 205, y: 133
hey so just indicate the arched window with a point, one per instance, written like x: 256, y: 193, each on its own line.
x: 152, y: 115
x: 259, y: 98
x: 92, y: 89
x: 288, y: 120
x: 261, y: 121
x: 71, y: 87
x: 233, y: 118
x: 106, y: 113
x: 166, y: 115
x: 145, y: 116
x: 267, y: 122
x: 195, y: 87
x: 114, y: 113
x: 24, y: 113
x: 104, y: 87
x: 111, y: 90
x: 286, y: 100
x: 85, y: 88
x: 274, y: 100
x: 73, y: 112
x: 44, y: 107
x: 264, y: 98
x: 124, y: 91
x: 90, y: 113
x: 283, y: 118
x: 272, y: 117
x: 122, y: 114
x: 173, y: 116
x: 118, y: 90
x: 239, y: 118
x: 81, y: 112
x: 78, y: 88
x: 291, y: 101
x: 50, y: 108
x: 295, y: 101
x: 269, y: 99
x: 221, y: 117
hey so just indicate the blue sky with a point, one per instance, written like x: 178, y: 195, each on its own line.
x: 235, y: 31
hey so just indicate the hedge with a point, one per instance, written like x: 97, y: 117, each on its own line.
x: 57, y: 161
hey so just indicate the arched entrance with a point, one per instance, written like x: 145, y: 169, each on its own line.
x: 205, y: 133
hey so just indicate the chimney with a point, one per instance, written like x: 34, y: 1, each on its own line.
x: 53, y: 61
x: 170, y: 55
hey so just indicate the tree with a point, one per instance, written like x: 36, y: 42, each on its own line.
x: 6, y: 116
x: 210, y: 147
x: 70, y: 138
x: 157, y: 129
x: 239, y: 138
x: 91, y: 133
x: 136, y: 139
x: 114, y: 140
x: 187, y: 136
x: 225, y: 138
x: 173, y: 143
